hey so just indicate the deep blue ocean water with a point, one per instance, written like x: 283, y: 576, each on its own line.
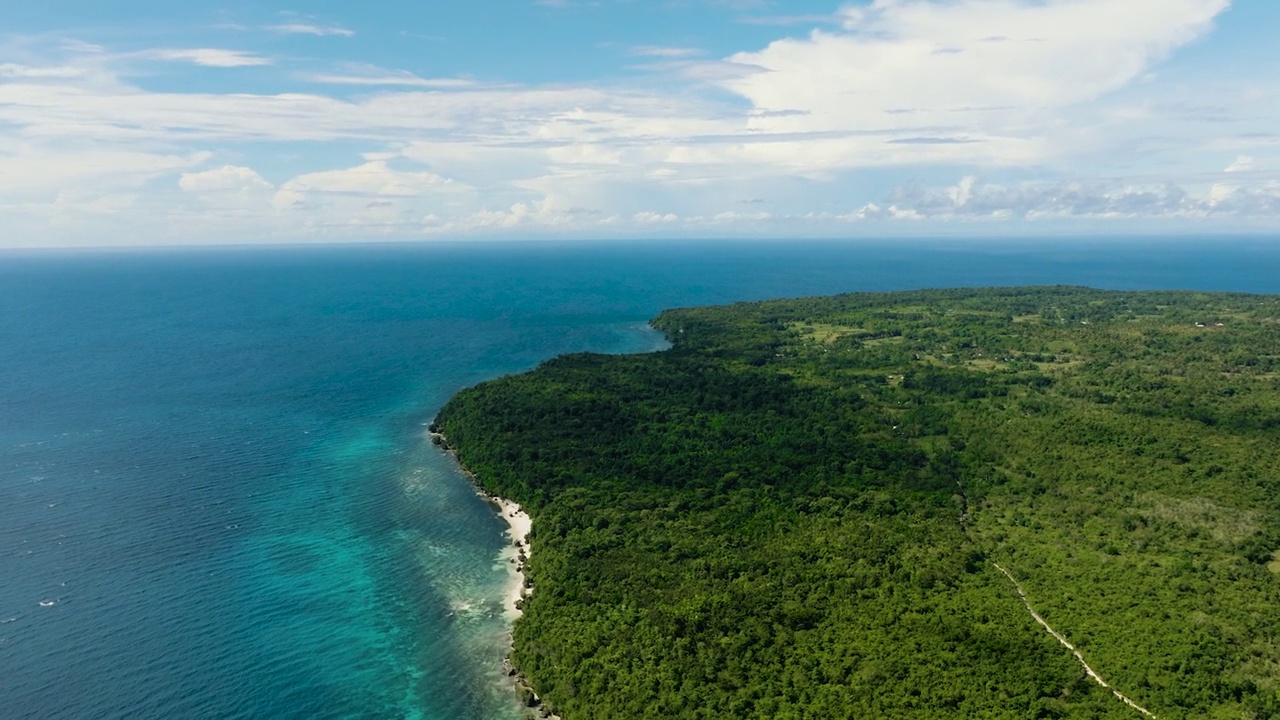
x: 216, y: 500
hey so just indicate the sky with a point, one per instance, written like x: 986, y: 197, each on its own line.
x: 150, y: 122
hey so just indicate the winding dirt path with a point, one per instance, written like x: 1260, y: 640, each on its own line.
x: 1067, y: 644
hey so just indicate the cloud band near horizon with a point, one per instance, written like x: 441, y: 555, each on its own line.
x: 912, y: 116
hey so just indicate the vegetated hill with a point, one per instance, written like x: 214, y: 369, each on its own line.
x: 796, y: 512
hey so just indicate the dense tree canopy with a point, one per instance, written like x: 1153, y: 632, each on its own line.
x: 795, y: 512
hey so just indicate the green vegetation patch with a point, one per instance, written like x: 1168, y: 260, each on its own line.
x: 796, y: 511
x: 825, y: 332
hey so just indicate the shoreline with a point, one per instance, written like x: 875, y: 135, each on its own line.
x: 516, y: 556
x: 518, y: 526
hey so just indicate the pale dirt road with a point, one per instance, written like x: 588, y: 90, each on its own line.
x: 1067, y: 644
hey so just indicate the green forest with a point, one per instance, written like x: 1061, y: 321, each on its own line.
x: 797, y: 511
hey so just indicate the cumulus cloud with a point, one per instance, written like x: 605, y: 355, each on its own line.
x: 372, y: 178
x: 912, y: 64
x: 228, y: 178
x: 1243, y: 163
x: 373, y: 199
x: 372, y: 195
x: 1262, y: 202
x: 230, y: 190
x: 733, y: 217
x: 648, y: 218
x: 972, y: 199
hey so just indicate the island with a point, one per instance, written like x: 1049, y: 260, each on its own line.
x: 1042, y: 502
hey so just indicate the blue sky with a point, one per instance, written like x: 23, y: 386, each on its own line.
x: 145, y: 122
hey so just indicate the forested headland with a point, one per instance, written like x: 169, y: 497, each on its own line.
x: 797, y: 511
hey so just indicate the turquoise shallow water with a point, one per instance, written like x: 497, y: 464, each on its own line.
x: 215, y: 495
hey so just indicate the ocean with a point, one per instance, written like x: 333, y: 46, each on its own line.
x: 216, y: 498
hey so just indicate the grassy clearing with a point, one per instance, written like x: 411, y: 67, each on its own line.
x: 823, y: 332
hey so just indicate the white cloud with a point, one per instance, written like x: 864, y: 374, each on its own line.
x: 310, y: 29
x: 1243, y: 163
x: 372, y: 178
x: 663, y: 51
x: 13, y: 71
x: 30, y: 172
x: 929, y: 70
x: 377, y: 77
x: 231, y: 191
x: 108, y: 107
x: 648, y: 218
x: 373, y: 196
x: 782, y: 20
x: 733, y: 217
x: 935, y: 88
x: 371, y: 199
x: 210, y: 57
x: 82, y: 47
x: 973, y: 200
x: 226, y: 179
x: 1263, y: 201
x: 874, y: 96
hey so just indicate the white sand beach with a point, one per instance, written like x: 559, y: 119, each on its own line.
x: 514, y: 556
x: 518, y: 524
